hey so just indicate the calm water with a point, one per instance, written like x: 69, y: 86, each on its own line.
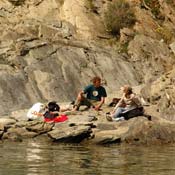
x: 40, y: 158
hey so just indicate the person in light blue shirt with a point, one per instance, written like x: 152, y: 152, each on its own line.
x: 93, y: 95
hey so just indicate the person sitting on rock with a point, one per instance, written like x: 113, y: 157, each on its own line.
x: 52, y: 113
x: 128, y: 106
x: 93, y: 95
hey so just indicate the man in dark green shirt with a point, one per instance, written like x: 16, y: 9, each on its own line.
x: 92, y: 96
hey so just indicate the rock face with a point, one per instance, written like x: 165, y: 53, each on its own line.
x: 88, y: 25
x: 151, y: 57
x: 41, y: 60
x: 52, y: 71
x: 50, y: 49
x: 161, y: 93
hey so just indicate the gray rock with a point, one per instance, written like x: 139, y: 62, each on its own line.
x: 145, y: 132
x: 18, y: 134
x: 39, y: 126
x: 74, y: 134
x: 7, y: 121
x: 20, y: 115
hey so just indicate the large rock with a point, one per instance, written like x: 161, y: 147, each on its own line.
x: 39, y: 127
x: 137, y: 130
x: 109, y: 135
x: 7, y: 121
x: 18, y: 134
x: 145, y: 132
x: 20, y: 115
x: 74, y: 134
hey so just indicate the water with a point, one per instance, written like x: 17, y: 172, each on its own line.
x: 41, y: 158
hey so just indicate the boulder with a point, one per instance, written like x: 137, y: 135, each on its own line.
x: 74, y: 134
x: 145, y: 132
x: 39, y: 126
x: 7, y: 121
x: 18, y: 134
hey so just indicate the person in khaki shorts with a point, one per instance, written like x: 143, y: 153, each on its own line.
x: 93, y: 95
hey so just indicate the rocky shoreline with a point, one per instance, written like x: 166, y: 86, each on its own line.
x: 89, y: 127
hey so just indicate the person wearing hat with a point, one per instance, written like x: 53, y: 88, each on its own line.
x: 129, y: 101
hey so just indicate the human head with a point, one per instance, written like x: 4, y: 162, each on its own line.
x: 53, y: 106
x: 96, y: 81
x: 127, y: 89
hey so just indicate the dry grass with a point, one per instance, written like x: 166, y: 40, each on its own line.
x: 165, y: 33
x: 154, y: 6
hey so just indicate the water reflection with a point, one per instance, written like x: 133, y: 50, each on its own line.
x: 33, y: 157
x: 36, y: 158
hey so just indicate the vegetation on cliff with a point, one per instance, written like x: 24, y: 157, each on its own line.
x: 119, y: 14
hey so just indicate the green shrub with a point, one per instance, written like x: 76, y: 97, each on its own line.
x: 119, y: 14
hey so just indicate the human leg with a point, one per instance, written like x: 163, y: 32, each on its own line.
x: 80, y: 102
x: 116, y: 116
x: 87, y: 102
x: 118, y: 112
